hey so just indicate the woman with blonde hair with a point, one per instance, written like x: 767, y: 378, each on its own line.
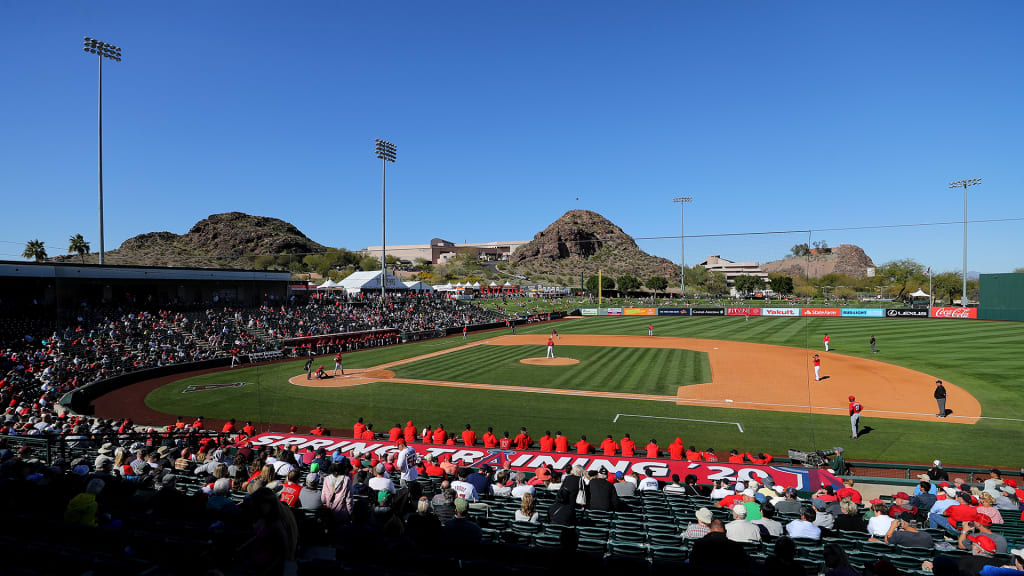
x: 987, y: 506
x: 528, y: 511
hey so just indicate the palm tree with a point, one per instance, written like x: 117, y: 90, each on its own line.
x: 35, y: 249
x: 78, y: 245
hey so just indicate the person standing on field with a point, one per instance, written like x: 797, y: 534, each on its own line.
x: 855, y: 409
x: 551, y: 348
x: 873, y: 349
x: 817, y: 368
x: 308, y: 369
x: 464, y: 331
x: 827, y: 340
x: 940, y: 398
x: 650, y: 329
x: 338, y: 365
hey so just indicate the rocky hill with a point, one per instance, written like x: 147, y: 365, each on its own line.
x: 219, y: 241
x: 845, y: 259
x: 582, y: 241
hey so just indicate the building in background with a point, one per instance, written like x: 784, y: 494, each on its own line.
x: 732, y: 269
x: 440, y: 250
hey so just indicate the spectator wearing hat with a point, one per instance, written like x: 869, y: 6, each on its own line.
x: 741, y: 529
x: 937, y: 473
x: 901, y: 506
x: 983, y: 525
x: 803, y: 527
x: 982, y: 550
x: 905, y: 533
x: 1009, y: 497
x: 790, y: 505
x: 600, y: 492
x: 954, y: 516
x: 848, y: 491
x: 700, y: 528
x: 623, y: 487
x: 381, y: 481
x: 993, y: 483
x: 460, y: 530
x: 822, y: 518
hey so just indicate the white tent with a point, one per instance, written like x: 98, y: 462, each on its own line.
x: 919, y: 294
x: 327, y: 285
x: 369, y: 281
x: 416, y: 286
x: 493, y: 283
x: 476, y: 284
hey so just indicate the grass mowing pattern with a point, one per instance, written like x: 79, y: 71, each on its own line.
x: 602, y: 369
x: 983, y: 357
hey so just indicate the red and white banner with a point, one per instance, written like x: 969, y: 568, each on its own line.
x: 955, y: 312
x: 742, y: 311
x: 821, y: 312
x: 528, y: 460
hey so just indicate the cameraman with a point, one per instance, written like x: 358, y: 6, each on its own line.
x: 980, y: 527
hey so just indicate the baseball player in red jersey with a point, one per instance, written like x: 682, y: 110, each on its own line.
x: 554, y: 334
x: 464, y: 331
x: 826, y: 340
x: 650, y: 329
x: 855, y: 409
x: 551, y: 348
x: 817, y: 368
x: 338, y: 365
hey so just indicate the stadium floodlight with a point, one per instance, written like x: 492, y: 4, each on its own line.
x: 387, y: 152
x: 965, y: 184
x: 682, y: 200
x: 110, y: 52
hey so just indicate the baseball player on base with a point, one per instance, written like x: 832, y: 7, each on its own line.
x: 817, y: 368
x: 551, y: 348
x: 855, y: 409
x: 826, y: 340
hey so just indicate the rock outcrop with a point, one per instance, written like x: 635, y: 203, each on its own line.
x: 847, y: 259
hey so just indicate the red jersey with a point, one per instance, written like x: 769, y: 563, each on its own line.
x: 850, y: 493
x: 490, y: 440
x: 522, y: 441
x: 550, y: 342
x: 653, y: 450
x: 469, y: 438
x: 547, y: 443
x: 826, y: 338
x: 394, y: 434
x: 675, y: 451
x: 961, y: 513
x: 762, y: 461
x: 440, y: 436
x: 584, y: 447
x: 609, y: 447
x: 337, y: 359
x: 628, y: 447
x: 694, y: 456
x: 228, y: 428
x: 410, y: 432
x: 318, y: 431
x: 367, y: 435
x: 561, y: 444
x: 357, y: 429
x: 290, y: 494
x: 505, y: 443
x: 736, y: 458
x: 817, y: 361
x: 855, y: 408
x: 249, y: 429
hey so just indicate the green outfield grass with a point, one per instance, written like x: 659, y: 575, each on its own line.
x: 983, y: 357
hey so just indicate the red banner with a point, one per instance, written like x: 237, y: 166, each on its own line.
x: 742, y: 311
x: 957, y: 312
x: 527, y: 460
x: 821, y: 312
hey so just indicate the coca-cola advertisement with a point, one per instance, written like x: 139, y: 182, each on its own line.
x: 742, y: 311
x: 955, y: 313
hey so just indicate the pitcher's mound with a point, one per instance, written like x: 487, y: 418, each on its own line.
x: 550, y: 361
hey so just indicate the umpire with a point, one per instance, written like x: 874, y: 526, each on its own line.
x: 940, y: 398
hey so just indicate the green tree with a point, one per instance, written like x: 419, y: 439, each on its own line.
x: 369, y: 263
x: 780, y: 283
x: 1018, y: 270
x: 656, y: 284
x: 800, y: 250
x: 947, y: 286
x: 747, y: 284
x: 606, y: 284
x: 78, y: 245
x: 627, y: 283
x: 901, y: 273
x: 35, y: 249
x: 263, y: 262
x: 717, y: 284
x: 422, y: 264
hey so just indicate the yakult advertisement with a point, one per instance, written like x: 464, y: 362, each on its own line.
x: 526, y: 460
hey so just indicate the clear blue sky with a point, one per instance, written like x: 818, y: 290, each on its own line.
x: 773, y: 115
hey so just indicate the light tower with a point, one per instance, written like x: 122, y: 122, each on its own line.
x: 110, y: 52
x: 387, y: 152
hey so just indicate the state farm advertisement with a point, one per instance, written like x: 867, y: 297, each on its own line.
x: 956, y: 313
x: 821, y: 312
x: 742, y: 311
x: 706, y: 472
x: 780, y: 312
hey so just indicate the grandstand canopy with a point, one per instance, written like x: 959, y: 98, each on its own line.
x: 418, y: 286
x: 369, y: 281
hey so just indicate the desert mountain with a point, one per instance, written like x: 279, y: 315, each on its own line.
x: 221, y: 241
x: 847, y: 259
x: 582, y: 241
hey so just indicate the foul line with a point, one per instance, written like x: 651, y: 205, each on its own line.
x: 684, y: 419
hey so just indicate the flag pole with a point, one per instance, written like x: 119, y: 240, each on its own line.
x: 599, y: 291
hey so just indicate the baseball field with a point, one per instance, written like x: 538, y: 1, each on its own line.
x: 715, y: 382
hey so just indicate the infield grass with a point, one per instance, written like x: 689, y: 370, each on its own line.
x: 983, y: 357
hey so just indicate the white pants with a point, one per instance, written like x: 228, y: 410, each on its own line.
x: 817, y: 373
x: 855, y: 423
x: 826, y: 346
x: 551, y: 351
x: 650, y: 332
x: 338, y: 366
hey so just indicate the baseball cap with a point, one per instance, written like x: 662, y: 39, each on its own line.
x: 924, y: 477
x: 461, y: 505
x: 875, y: 501
x: 901, y: 496
x: 950, y: 491
x: 740, y: 487
x: 852, y: 398
x: 740, y: 510
x: 619, y: 475
x: 1011, y: 483
x: 380, y: 469
x: 1018, y: 552
x: 983, y: 519
x: 987, y: 544
x: 704, y: 516
x: 937, y: 462
x: 790, y: 491
x: 749, y: 492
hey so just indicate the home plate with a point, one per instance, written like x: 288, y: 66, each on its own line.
x: 728, y: 399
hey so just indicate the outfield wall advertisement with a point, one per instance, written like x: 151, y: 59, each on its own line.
x: 742, y: 311
x: 673, y: 311
x: 527, y: 460
x: 639, y: 311
x: 784, y: 312
x: 955, y: 313
x: 862, y: 313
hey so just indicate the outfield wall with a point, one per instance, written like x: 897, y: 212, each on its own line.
x: 953, y: 313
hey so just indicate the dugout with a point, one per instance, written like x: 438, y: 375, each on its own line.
x: 44, y: 289
x: 1002, y: 297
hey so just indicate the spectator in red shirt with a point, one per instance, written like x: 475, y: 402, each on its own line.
x: 248, y: 429
x: 428, y: 435
x: 318, y: 431
x: 358, y: 428
x: 609, y: 446
x: 653, y: 450
x: 468, y: 436
x: 709, y: 455
x: 693, y: 455
x: 368, y: 433
x: 229, y: 427
x: 761, y: 458
x: 440, y: 435
x: 410, y: 432
x: 628, y: 446
x: 198, y: 424
x: 950, y: 519
x: 561, y: 443
x: 505, y: 443
x: 431, y: 468
x: 490, y: 440
x: 584, y: 447
x: 522, y: 440
x: 847, y: 491
x: 675, y: 449
x: 547, y: 443
x: 395, y: 433
x: 735, y: 457
x: 291, y: 490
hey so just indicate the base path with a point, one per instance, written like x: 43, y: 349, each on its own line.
x: 744, y: 375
